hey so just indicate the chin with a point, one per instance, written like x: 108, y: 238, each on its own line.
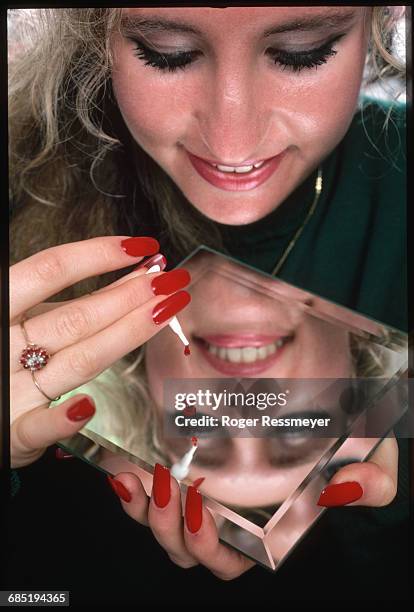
x: 232, y: 213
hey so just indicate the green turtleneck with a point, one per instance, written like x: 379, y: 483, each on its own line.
x: 353, y: 249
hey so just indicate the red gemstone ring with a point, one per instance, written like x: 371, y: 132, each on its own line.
x: 33, y: 358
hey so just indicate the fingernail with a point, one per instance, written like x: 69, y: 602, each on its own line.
x: 156, y: 260
x: 61, y: 454
x: 170, y: 282
x: 169, y: 307
x: 198, y: 482
x: 340, y: 494
x: 140, y: 245
x: 83, y: 409
x: 119, y: 489
x: 193, y: 509
x: 161, y: 485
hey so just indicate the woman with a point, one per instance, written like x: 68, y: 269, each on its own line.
x: 222, y: 103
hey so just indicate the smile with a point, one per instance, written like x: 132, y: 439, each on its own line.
x: 236, y: 178
x: 242, y: 356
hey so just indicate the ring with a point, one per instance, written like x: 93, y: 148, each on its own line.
x: 34, y: 357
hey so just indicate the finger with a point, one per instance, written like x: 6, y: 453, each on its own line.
x: 140, y: 270
x: 130, y: 490
x: 32, y: 432
x: 201, y: 538
x: 165, y: 517
x: 35, y: 279
x: 81, y: 319
x: 83, y: 361
x: 371, y: 483
x: 158, y: 259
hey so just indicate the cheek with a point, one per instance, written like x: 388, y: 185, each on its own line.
x: 163, y: 360
x: 328, y: 351
x: 151, y: 104
x: 319, y: 110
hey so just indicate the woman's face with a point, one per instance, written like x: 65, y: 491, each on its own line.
x: 235, y: 331
x: 236, y: 87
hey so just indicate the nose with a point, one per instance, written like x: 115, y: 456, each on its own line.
x: 232, y: 115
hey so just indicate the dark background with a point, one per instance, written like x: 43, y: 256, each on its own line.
x: 68, y: 531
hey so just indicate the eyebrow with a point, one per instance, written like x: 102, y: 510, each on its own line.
x: 133, y: 24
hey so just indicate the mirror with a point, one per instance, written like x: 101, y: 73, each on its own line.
x: 281, y: 388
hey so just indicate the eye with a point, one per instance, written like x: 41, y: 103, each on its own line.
x: 164, y: 61
x: 299, y: 60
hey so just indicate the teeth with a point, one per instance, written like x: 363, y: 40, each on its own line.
x: 239, y: 169
x: 234, y: 355
x: 259, y: 164
x: 245, y: 354
x: 249, y: 354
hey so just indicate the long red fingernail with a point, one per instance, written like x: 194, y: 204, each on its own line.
x: 161, y: 485
x: 170, y: 282
x: 119, y: 489
x: 83, y: 409
x: 140, y: 245
x: 169, y: 307
x: 340, y: 494
x: 198, y: 482
x: 156, y: 260
x: 61, y: 454
x: 193, y: 509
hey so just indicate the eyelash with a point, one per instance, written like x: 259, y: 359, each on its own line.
x: 294, y: 61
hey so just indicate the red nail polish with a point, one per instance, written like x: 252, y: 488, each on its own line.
x: 169, y: 307
x: 197, y: 483
x: 155, y: 260
x: 340, y: 494
x: 193, y: 509
x: 83, y: 409
x: 140, y: 245
x: 119, y: 489
x: 170, y: 282
x: 61, y: 454
x: 161, y: 486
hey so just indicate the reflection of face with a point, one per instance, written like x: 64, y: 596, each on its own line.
x: 238, y: 100
x: 243, y: 329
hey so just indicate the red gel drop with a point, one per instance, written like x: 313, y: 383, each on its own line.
x: 187, y: 350
x: 194, y: 440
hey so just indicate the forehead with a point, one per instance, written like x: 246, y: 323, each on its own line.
x: 207, y: 19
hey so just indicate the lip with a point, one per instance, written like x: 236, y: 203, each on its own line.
x: 233, y: 181
x: 239, y: 369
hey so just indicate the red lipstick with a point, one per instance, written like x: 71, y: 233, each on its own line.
x: 237, y: 369
x: 232, y: 181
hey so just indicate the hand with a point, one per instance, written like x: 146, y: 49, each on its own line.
x: 371, y: 483
x: 188, y: 542
x: 375, y: 480
x: 84, y: 336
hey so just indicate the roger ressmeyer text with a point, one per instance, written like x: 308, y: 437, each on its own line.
x: 205, y: 421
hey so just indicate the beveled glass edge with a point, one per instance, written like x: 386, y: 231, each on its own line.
x: 339, y: 308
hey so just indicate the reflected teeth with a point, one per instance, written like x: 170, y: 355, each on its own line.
x: 238, y: 169
x: 245, y: 354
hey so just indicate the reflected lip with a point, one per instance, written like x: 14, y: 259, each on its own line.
x: 231, y: 181
x: 238, y: 340
x: 241, y: 369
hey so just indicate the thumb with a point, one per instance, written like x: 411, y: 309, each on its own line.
x: 34, y: 431
x: 371, y: 483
